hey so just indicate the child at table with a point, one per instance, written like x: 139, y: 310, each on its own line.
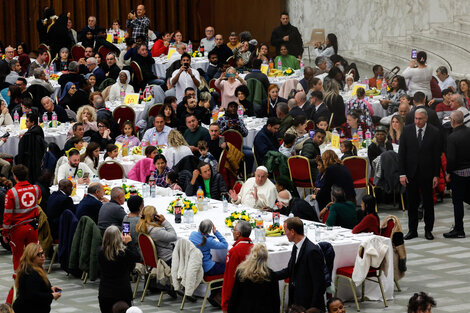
x: 206, y: 156
x: 322, y: 123
x: 172, y: 181
x: 287, y: 147
x: 112, y: 152
x: 347, y: 149
x: 128, y: 135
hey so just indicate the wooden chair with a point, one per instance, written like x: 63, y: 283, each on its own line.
x: 124, y: 113
x: 55, y: 248
x: 317, y: 35
x: 358, y: 167
x: 228, y: 177
x: 78, y: 52
x: 209, y: 281
x: 110, y: 170
x: 138, y: 76
x: 299, y: 171
x: 235, y: 138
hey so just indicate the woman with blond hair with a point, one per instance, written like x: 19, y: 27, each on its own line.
x: 396, y: 128
x: 163, y: 234
x: 178, y: 148
x: 35, y: 292
x: 335, y: 174
x: 227, y: 83
x: 87, y: 116
x: 253, y: 276
x: 116, y: 259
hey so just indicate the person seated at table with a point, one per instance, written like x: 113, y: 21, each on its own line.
x: 257, y: 192
x: 160, y: 230
x: 94, y: 69
x: 378, y: 70
x: 287, y: 147
x: 362, y: 106
x: 161, y: 169
x: 311, y: 149
x: 349, y: 81
x: 92, y: 156
x: 146, y: 62
x: 112, y: 212
x: 392, y: 100
x: 160, y: 47
x: 62, y: 62
x: 262, y: 53
x: 298, y: 129
x: 129, y: 136
x: 90, y: 78
x: 58, y: 202
x: 177, y: 149
x: 370, y: 223
x: 253, y: 276
x: 396, y: 128
x: 257, y: 74
x: 112, y: 152
x: 352, y: 124
x: 172, y: 181
x: 211, y: 182
x: 379, y: 144
x: 75, y: 169
x: 243, y: 51
x: 227, y: 83
x: 322, y: 123
x: 231, y: 120
x: 90, y: 204
x: 177, y: 37
x: 335, y: 174
x: 103, y: 136
x: 268, y: 106
x: 206, y: 156
x: 335, y: 305
x: 50, y: 108
x: 158, y: 133
x: 347, y: 149
x: 205, y: 242
x: 144, y: 167
x: 110, y: 67
x: 443, y: 109
x: 89, y: 39
x: 223, y: 52
x: 169, y: 113
x: 66, y: 99
x: 190, y: 107
x: 175, y: 58
x: 194, y: 132
x: 5, y: 117
x: 116, y: 29
x: 287, y: 204
x: 87, y: 116
x: 341, y: 212
x: 242, y: 93
x: 41, y: 79
x: 287, y: 60
x: 78, y: 132
x: 266, y: 140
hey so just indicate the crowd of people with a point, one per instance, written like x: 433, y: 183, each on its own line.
x: 426, y: 118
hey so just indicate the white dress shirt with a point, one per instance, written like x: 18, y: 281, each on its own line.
x: 299, y: 245
x: 184, y: 81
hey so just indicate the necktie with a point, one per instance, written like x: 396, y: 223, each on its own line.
x: 420, y: 136
x: 294, y: 253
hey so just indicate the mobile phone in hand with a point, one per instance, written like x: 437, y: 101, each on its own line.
x: 221, y: 140
x: 414, y: 54
x: 126, y: 228
x: 6, y: 135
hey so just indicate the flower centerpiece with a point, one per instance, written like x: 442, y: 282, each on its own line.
x: 186, y: 205
x: 130, y: 191
x: 274, y: 230
x: 239, y: 216
x: 54, y: 77
x: 288, y: 72
x: 196, y: 54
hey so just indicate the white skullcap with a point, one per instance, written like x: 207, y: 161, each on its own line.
x: 262, y: 168
x: 134, y: 309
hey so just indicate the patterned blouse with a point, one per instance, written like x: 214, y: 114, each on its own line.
x: 160, y: 180
x: 395, y: 98
x: 361, y: 106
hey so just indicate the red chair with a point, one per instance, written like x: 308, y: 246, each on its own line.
x: 359, y: 171
x: 103, y: 51
x: 236, y: 139
x: 238, y: 186
x: 387, y: 231
x: 110, y: 170
x: 48, y: 58
x: 373, y: 275
x: 310, y: 125
x: 209, y: 281
x: 149, y: 255
x: 373, y: 187
x: 44, y: 46
x: 231, y: 61
x: 155, y: 109
x: 228, y: 177
x: 138, y: 76
x: 78, y: 52
x: 299, y: 171
x: 124, y: 113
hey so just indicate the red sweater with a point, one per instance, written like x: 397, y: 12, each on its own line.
x: 369, y: 224
x: 241, y: 248
x: 159, y: 48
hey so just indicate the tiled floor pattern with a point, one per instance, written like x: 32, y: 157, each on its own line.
x: 439, y: 267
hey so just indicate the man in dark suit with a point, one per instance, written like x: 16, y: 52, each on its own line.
x: 419, y: 102
x: 319, y: 108
x: 92, y: 202
x: 305, y: 269
x: 92, y: 65
x: 58, y: 202
x: 458, y: 169
x: 302, y: 103
x: 419, y: 156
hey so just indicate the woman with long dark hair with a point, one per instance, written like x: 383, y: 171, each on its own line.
x: 329, y: 48
x: 392, y: 99
x: 92, y: 156
x: 371, y: 221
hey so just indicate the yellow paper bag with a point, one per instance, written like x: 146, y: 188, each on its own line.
x: 335, y: 141
x: 119, y: 145
x: 131, y: 99
x: 264, y: 69
x: 354, y: 91
x: 109, y: 37
x: 23, y: 122
x: 171, y: 51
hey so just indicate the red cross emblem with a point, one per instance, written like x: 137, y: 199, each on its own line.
x: 28, y: 199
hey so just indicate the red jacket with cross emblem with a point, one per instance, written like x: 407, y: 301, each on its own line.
x: 21, y: 205
x: 241, y: 248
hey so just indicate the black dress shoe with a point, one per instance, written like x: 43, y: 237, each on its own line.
x: 455, y: 234
x: 411, y: 235
x: 428, y: 235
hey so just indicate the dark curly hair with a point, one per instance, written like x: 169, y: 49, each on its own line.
x: 420, y: 302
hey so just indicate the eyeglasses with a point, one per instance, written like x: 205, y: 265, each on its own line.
x: 40, y: 254
x: 73, y: 87
x: 101, y: 126
x: 111, y: 59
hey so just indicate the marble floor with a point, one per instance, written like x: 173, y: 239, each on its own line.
x: 439, y: 267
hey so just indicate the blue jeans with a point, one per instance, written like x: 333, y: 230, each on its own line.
x: 217, y: 269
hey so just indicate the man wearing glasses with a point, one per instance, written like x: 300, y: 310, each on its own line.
x: 209, y: 42
x: 111, y: 68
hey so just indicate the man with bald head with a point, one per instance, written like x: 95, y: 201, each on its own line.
x: 458, y: 170
x: 302, y: 103
x: 403, y: 110
x: 209, y: 41
x: 287, y: 204
x: 139, y: 23
x: 58, y: 202
x: 308, y: 74
x: 223, y: 52
x: 9, y: 54
x: 92, y: 202
x: 257, y: 192
x: 91, y: 26
x: 112, y: 212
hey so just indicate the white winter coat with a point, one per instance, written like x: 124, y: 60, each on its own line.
x: 372, y: 253
x: 186, y: 267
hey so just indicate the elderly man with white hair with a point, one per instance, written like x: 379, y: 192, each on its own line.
x: 176, y: 56
x: 457, y: 104
x: 92, y: 65
x: 257, y: 192
x: 287, y: 204
x: 40, y: 78
x: 50, y: 108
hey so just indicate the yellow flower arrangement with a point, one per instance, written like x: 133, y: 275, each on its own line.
x: 238, y: 216
x: 186, y: 205
x: 288, y: 72
x: 196, y: 54
x: 129, y: 191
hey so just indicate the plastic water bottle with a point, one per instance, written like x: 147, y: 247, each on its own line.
x: 145, y: 190
x: 190, y: 47
x: 54, y: 120
x: 360, y: 135
x: 383, y: 92
x: 215, y: 114
x: 240, y: 111
x: 122, y: 93
x: 152, y: 186
x: 200, y: 194
x: 188, y: 216
x: 45, y: 120
x: 262, y: 234
x: 302, y: 67
x: 366, y: 82
x: 368, y: 138
x: 225, y: 205
x: 16, y: 119
x: 52, y: 68
x: 279, y: 64
x: 154, y: 140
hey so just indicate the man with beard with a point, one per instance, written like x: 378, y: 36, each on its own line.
x: 74, y: 168
x: 288, y: 35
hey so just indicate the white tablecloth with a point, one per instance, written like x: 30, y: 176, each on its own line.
x: 57, y: 135
x: 344, y: 242
x: 279, y: 81
x: 161, y: 64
